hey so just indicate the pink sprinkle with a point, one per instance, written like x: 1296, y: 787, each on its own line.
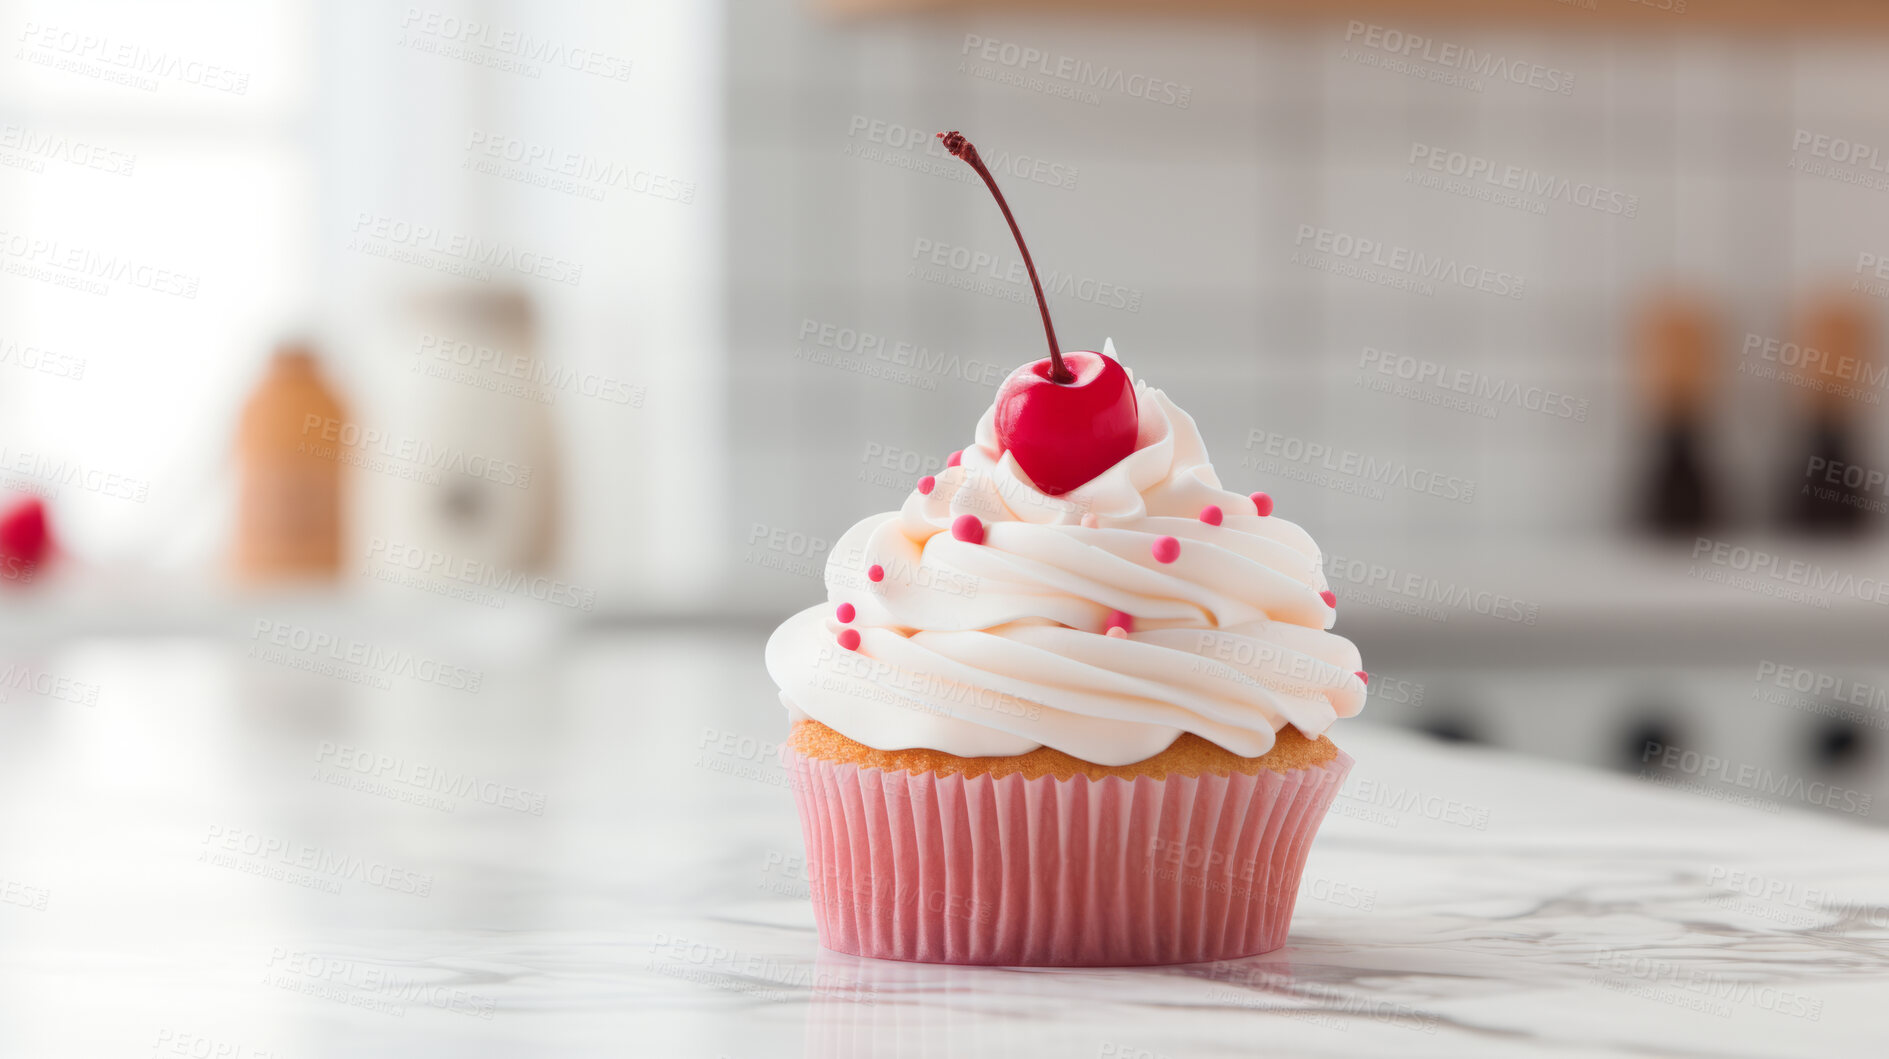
x: 925, y: 484
x: 1330, y: 598
x: 1211, y: 514
x: 1118, y: 632
x: 1166, y: 550
x: 968, y: 529
x: 875, y: 572
x: 1120, y: 619
x: 1263, y: 501
x: 1089, y: 521
x: 845, y: 613
x: 955, y: 458
x: 1364, y: 677
x: 849, y: 639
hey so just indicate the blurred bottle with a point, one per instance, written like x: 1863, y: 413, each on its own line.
x: 486, y: 405
x: 1820, y: 498
x: 1678, y: 494
x: 289, y: 444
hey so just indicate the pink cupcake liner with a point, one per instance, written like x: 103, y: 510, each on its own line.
x: 1056, y: 873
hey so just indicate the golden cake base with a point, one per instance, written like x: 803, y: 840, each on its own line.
x: 1190, y: 755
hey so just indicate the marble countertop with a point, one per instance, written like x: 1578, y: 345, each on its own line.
x: 249, y: 848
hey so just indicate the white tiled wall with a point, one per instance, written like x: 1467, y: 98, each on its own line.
x: 1198, y: 207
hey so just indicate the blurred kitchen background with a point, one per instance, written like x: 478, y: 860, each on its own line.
x: 498, y: 327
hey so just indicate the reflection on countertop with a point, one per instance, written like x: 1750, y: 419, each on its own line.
x: 379, y: 848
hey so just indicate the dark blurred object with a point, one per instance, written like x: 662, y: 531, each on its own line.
x: 1820, y: 499
x: 1652, y: 726
x: 1678, y: 495
x: 1452, y: 729
x: 1838, y: 744
x: 289, y: 445
x: 25, y: 539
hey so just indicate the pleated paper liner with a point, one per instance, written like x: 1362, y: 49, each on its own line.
x: 1056, y: 873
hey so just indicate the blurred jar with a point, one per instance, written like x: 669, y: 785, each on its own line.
x: 484, y: 405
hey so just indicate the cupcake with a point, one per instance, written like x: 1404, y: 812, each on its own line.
x: 1067, y: 705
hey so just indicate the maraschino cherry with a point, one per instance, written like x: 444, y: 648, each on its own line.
x: 1069, y: 416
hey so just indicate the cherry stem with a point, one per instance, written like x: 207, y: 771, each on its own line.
x: 960, y: 147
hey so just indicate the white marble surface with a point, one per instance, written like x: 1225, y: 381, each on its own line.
x: 179, y: 876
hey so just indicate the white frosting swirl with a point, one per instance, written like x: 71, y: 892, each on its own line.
x: 997, y: 648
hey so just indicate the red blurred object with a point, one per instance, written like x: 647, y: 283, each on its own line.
x: 25, y: 541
